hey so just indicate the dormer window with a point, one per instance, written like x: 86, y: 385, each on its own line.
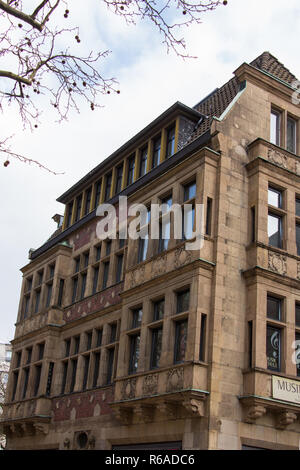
x: 275, y: 129
x: 170, y: 141
x: 291, y: 135
x: 156, y: 152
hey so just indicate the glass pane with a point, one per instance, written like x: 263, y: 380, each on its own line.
x: 297, y: 353
x: 183, y: 301
x: 274, y: 231
x: 189, y: 191
x: 297, y: 314
x: 188, y: 221
x: 156, y: 347
x: 159, y: 310
x: 298, y: 207
x: 180, y: 341
x: 274, y: 197
x: 273, y: 348
x: 298, y: 238
x: 136, y: 317
x: 275, y: 128
x: 273, y: 308
x: 134, y: 353
x: 291, y: 135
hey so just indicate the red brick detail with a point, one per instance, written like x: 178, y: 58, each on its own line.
x: 82, y: 405
x: 95, y: 303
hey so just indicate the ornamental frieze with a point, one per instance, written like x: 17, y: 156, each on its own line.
x: 128, y: 389
x: 274, y: 156
x: 175, y: 379
x: 182, y: 257
x: 150, y: 384
x: 137, y: 276
x: 277, y: 263
x: 159, y: 266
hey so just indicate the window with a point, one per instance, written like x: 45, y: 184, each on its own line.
x: 64, y: 377
x: 134, y: 353
x: 26, y: 306
x: 74, y: 289
x: 86, y: 259
x: 250, y: 342
x: 49, y: 293
x: 15, y: 383
x: 208, y: 216
x: 165, y: 224
x: 29, y: 354
x: 297, y: 206
x: 142, y: 249
x: 108, y: 186
x: 143, y: 161
x: 78, y: 207
x: 110, y: 363
x: 180, y: 341
x: 69, y: 214
x: 83, y: 285
x: 156, y: 346
x: 99, y: 337
x: 96, y: 368
x: 188, y: 219
x: 67, y: 347
x: 119, y: 268
x: 274, y: 308
x: 18, y: 358
x: 156, y: 152
x: 297, y: 353
x: 51, y: 270
x: 298, y: 238
x: 29, y: 281
x: 273, y: 348
x: 137, y: 314
x: 119, y: 177
x: 95, y: 279
x: 113, y: 332
x: 202, y: 338
x: 158, y: 310
x: 49, y: 378
x: 85, y: 371
x: 25, y: 383
x: 37, y: 300
x: 275, y: 127
x: 38, y: 370
x: 253, y: 224
x: 88, y: 197
x: 105, y: 274
x: 40, y: 275
x: 98, y: 252
x: 297, y: 315
x: 130, y: 174
x: 97, y: 194
x: 108, y: 248
x: 77, y: 264
x: 41, y: 349
x: 88, y: 340
x: 76, y: 344
x: 275, y: 197
x: 183, y: 301
x: 73, y: 376
x: 60, y: 292
x: 291, y: 135
x: 275, y: 230
x: 170, y: 141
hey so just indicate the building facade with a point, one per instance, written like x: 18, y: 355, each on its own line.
x: 143, y: 343
x: 5, y: 358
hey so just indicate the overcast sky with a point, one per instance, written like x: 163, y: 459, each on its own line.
x: 150, y: 81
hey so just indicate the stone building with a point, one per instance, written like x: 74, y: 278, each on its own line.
x: 5, y: 358
x: 143, y: 343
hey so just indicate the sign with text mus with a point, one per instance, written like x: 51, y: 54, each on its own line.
x: 286, y: 389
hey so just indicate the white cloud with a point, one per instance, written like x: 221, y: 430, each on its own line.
x: 150, y: 81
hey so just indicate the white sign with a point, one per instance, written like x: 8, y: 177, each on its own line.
x: 285, y: 389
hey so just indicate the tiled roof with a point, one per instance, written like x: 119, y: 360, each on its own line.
x: 216, y: 103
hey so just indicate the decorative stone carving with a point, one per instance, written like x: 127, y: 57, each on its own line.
x: 194, y: 406
x: 137, y: 276
x: 182, y: 257
x: 297, y: 167
x: 274, y: 156
x: 144, y: 413
x: 41, y: 428
x: 67, y: 443
x: 28, y: 428
x: 285, y: 418
x: 255, y: 412
x: 123, y: 414
x: 128, y: 389
x: 175, y: 379
x: 277, y: 263
x: 92, y: 442
x: 159, y: 266
x: 150, y: 384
